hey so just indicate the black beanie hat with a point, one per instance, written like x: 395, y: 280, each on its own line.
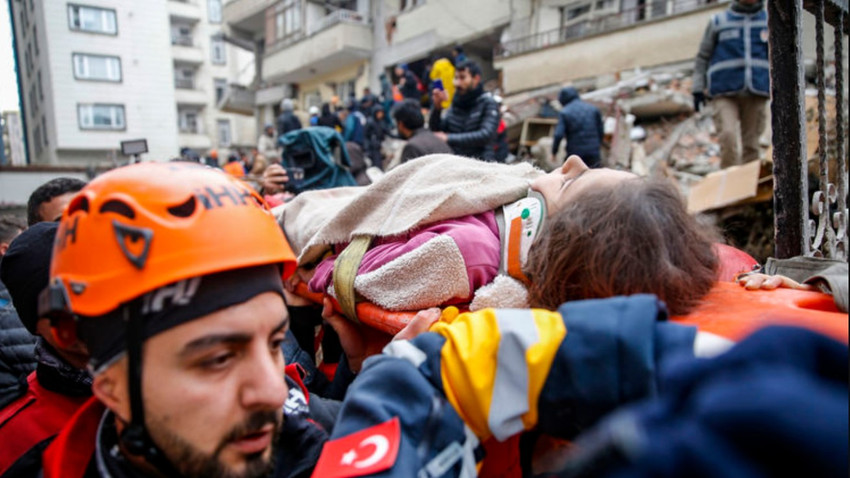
x: 25, y: 269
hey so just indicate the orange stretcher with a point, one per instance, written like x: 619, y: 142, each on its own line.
x: 728, y: 310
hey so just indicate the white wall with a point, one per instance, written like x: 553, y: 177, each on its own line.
x: 146, y: 89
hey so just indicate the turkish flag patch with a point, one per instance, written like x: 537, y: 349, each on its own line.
x: 368, y: 451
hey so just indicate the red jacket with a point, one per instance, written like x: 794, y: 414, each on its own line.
x: 36, y: 416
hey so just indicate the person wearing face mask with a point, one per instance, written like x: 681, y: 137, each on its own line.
x: 471, y: 231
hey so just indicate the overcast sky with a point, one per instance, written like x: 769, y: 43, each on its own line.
x: 8, y: 82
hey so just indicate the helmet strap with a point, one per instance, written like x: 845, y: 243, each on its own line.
x: 135, y: 437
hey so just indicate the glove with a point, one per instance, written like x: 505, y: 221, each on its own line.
x: 699, y: 100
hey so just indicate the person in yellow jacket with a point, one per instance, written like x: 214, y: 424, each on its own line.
x: 424, y: 406
x: 445, y: 71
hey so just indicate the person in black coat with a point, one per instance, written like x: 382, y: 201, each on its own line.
x: 287, y: 121
x: 408, y: 83
x: 374, y: 135
x: 469, y: 125
x: 581, y: 124
x: 329, y: 118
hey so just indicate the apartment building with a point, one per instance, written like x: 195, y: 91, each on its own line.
x: 94, y: 73
x: 313, y: 50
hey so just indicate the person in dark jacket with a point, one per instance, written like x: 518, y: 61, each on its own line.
x: 60, y: 383
x: 469, y: 126
x: 581, y: 124
x: 411, y: 126
x: 17, y: 357
x: 408, y: 83
x: 287, y: 121
x: 732, y: 69
x: 329, y: 118
x: 353, y: 124
x: 781, y: 388
x: 374, y: 135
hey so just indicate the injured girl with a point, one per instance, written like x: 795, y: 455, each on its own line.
x: 450, y: 230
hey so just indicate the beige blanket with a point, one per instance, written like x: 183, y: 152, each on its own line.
x: 429, y: 189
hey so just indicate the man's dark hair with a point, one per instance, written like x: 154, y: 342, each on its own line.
x: 46, y: 192
x: 10, y: 226
x: 409, y: 114
x: 470, y: 66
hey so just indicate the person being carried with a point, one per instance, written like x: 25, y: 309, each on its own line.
x: 450, y: 230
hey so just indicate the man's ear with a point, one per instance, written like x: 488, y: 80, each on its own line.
x: 110, y: 387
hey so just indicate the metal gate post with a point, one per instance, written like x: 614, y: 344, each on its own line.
x: 787, y: 109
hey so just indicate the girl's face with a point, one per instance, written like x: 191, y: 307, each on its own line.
x: 565, y: 184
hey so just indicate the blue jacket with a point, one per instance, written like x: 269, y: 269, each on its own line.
x: 774, y: 405
x: 581, y: 124
x: 353, y: 129
x: 590, y: 358
x: 733, y: 55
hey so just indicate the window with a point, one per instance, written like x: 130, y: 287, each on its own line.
x: 576, y: 12
x: 184, y: 78
x: 36, y: 139
x: 345, y: 89
x: 217, y: 51
x: 214, y: 11
x: 188, y: 121
x: 28, y: 59
x: 181, y: 34
x: 219, y: 86
x: 40, y: 87
x: 99, y: 116
x: 92, y: 19
x: 224, y: 138
x: 313, y: 98
x: 35, y: 39
x: 44, y: 129
x: 97, y: 67
x: 288, y: 19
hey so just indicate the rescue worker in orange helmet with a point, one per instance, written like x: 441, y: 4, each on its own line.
x: 184, y: 325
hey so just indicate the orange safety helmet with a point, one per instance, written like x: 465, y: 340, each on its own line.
x: 140, y: 227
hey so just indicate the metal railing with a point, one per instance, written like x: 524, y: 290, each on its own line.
x: 339, y: 16
x: 802, y: 227
x: 328, y: 21
x: 596, y: 24
x: 182, y: 41
x: 184, y: 83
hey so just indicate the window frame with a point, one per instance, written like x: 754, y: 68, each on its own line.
x: 214, y: 42
x: 218, y: 124
x: 216, y: 83
x: 72, y: 27
x: 210, y: 10
x: 182, y: 121
x: 82, y: 127
x: 96, y: 55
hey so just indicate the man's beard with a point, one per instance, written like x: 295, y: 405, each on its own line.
x: 193, y: 463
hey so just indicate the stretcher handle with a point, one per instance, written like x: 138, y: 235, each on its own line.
x: 369, y: 314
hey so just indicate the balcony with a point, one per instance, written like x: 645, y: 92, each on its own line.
x: 189, y: 10
x: 238, y: 99
x: 335, y: 41
x: 183, y: 51
x: 591, y: 25
x: 189, y: 96
x: 604, y: 45
x: 184, y: 10
x: 246, y: 15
